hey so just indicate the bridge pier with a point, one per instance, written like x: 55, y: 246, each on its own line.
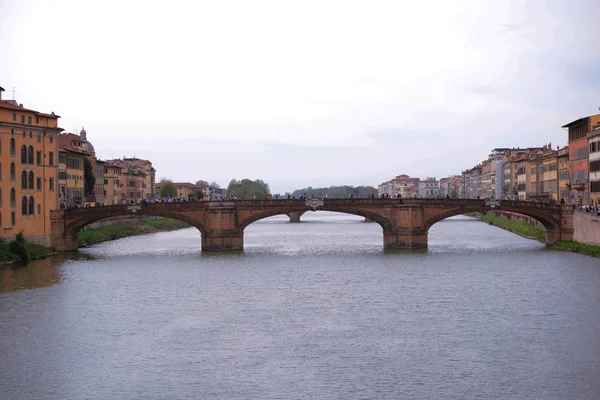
x: 402, y: 240
x: 295, y: 216
x: 64, y: 243
x: 220, y: 241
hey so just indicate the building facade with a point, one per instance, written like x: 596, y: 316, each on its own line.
x: 594, y: 164
x: 99, y: 184
x: 578, y: 157
x: 472, y: 182
x: 113, y: 189
x: 429, y: 188
x: 28, y: 171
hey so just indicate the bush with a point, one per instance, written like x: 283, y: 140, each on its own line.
x: 18, y: 248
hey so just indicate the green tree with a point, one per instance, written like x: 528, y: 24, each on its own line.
x: 17, y: 247
x: 89, y: 180
x: 167, y: 188
x: 246, y: 189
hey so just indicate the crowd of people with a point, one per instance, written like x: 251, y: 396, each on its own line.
x: 588, y: 208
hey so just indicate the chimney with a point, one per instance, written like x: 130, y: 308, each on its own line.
x: 1, y: 90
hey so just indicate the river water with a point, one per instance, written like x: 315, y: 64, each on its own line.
x: 315, y: 310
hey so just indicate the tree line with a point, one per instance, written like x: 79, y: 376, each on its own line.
x: 339, y: 192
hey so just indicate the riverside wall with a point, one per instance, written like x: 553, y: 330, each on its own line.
x: 587, y: 228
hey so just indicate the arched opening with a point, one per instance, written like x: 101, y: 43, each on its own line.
x: 23, y: 180
x: 547, y: 221
x: 12, y: 171
x: 23, y: 154
x: 24, y: 206
x: 30, y: 180
x: 31, y: 206
x: 319, y: 231
x: 30, y: 155
x: 108, y: 215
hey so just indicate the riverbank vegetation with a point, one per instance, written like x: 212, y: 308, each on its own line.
x: 514, y: 226
x: 534, y: 232
x: 576, y: 247
x: 20, y: 251
x: 125, y: 229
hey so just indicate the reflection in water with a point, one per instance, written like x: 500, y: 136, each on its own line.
x: 311, y: 310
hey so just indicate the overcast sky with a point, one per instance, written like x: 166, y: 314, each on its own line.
x: 306, y: 92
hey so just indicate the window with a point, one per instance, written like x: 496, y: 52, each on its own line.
x: 38, y: 157
x: 13, y: 198
x: 23, y: 154
x: 29, y: 120
x: 12, y: 171
x: 12, y: 147
x: 23, y: 180
x: 31, y: 179
x: 38, y: 184
x: 24, y: 134
x: 38, y: 138
x: 37, y: 120
x: 51, y: 158
x: 106, y: 181
x: 39, y: 209
x: 52, y: 184
x: 24, y: 206
x: 22, y: 119
x: 31, y: 206
x: 14, y: 116
x: 51, y: 139
x: 13, y: 219
x: 30, y: 155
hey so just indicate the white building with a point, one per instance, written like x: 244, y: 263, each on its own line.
x: 429, y: 188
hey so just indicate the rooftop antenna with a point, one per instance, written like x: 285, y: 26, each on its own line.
x: 14, y: 92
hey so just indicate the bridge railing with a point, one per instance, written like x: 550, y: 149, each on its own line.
x: 299, y: 203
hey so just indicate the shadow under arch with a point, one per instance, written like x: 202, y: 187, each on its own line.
x: 77, y: 225
x: 551, y: 224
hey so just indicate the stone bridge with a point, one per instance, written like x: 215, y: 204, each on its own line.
x: 405, y: 224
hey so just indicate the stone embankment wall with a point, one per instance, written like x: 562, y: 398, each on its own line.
x: 587, y: 228
x: 524, y: 219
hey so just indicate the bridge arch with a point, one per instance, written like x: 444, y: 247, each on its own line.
x: 75, y: 226
x: 383, y: 222
x: 550, y: 223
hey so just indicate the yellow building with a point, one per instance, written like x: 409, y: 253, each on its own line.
x: 549, y: 176
x: 184, y: 189
x: 563, y: 174
x: 73, y: 152
x: 113, y: 187
x: 28, y: 171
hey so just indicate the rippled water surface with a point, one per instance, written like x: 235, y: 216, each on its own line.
x: 315, y: 310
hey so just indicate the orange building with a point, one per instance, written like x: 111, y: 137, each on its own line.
x: 184, y: 190
x: 578, y: 157
x: 28, y: 171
